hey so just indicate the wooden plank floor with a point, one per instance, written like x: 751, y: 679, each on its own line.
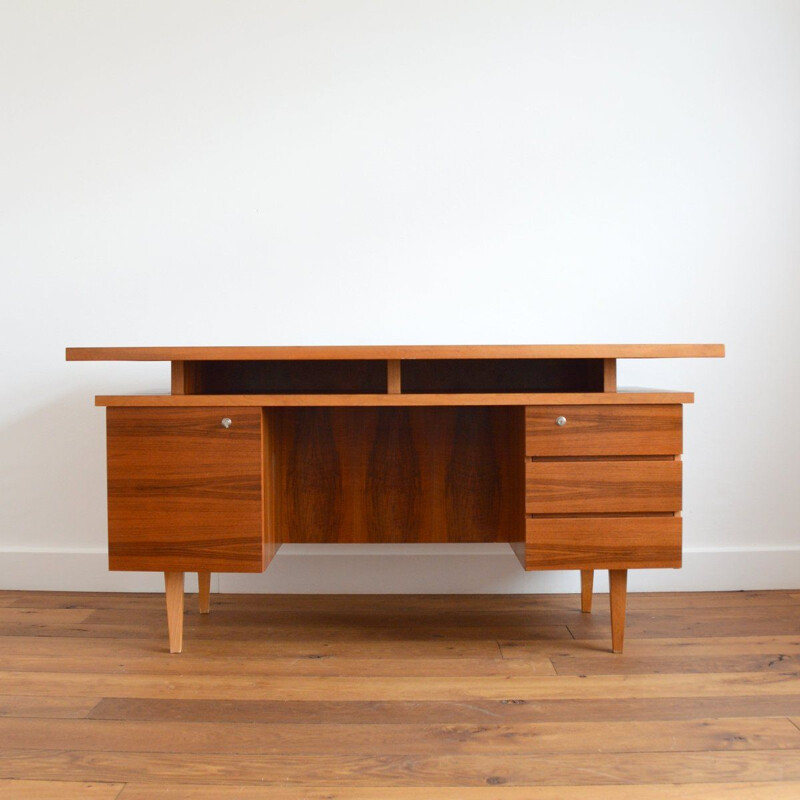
x: 400, y: 698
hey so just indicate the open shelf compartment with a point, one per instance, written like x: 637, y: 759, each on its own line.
x: 416, y: 376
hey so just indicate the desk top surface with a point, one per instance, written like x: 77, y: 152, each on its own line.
x: 392, y: 352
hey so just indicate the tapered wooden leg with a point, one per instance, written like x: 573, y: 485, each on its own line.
x: 587, y: 583
x: 204, y: 591
x: 618, y: 584
x: 173, y: 581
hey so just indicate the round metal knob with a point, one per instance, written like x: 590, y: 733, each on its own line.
x: 226, y: 422
x: 561, y: 421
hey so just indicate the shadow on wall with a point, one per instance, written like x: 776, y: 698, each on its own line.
x: 413, y: 568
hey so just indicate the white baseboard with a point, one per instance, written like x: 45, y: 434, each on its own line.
x: 405, y: 569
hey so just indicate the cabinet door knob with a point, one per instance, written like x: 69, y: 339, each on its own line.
x: 226, y: 422
x: 561, y: 421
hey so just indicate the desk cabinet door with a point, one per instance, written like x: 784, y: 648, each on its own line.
x: 184, y: 491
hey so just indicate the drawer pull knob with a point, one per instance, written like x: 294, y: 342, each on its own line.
x: 226, y: 422
x: 561, y: 421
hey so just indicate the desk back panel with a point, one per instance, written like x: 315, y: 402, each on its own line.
x: 425, y: 474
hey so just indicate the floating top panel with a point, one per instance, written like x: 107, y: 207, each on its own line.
x: 393, y: 352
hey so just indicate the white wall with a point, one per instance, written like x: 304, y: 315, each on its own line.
x: 439, y: 171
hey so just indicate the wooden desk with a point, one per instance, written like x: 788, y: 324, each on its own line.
x: 530, y: 445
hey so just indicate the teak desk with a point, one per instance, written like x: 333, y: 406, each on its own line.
x: 530, y: 445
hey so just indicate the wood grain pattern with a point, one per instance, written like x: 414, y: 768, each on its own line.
x: 626, y: 397
x: 183, y: 376
x: 399, y: 475
x: 42, y: 616
x: 426, y: 771
x: 399, y: 688
x: 184, y: 493
x: 403, y: 738
x: 473, y: 492
x: 323, y: 648
x: 472, y: 624
x: 310, y: 499
x: 601, y: 430
x: 393, y: 480
x: 31, y: 706
x: 394, y: 384
x: 603, y: 543
x: 198, y: 629
x: 271, y: 533
x: 177, y: 377
x: 729, y: 603
x: 636, y: 664
x: 384, y: 352
x: 476, y: 712
x: 204, y: 592
x: 279, y: 621
x: 587, y: 587
x: 58, y: 790
x: 602, y: 486
x: 310, y: 664
x: 746, y: 790
x: 693, y: 717
x: 618, y: 588
x: 609, y: 374
x: 173, y: 582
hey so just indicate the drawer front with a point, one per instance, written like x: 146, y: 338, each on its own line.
x: 184, y: 492
x: 602, y: 542
x: 580, y: 487
x: 635, y: 430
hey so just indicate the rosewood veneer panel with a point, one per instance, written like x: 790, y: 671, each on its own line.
x: 399, y: 474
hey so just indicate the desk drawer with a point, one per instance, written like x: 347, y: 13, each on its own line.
x: 579, y: 487
x: 602, y: 542
x: 629, y: 430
